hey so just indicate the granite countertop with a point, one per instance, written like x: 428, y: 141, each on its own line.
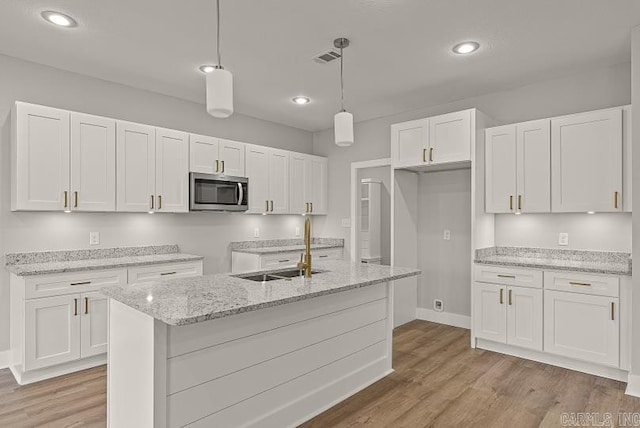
x: 192, y: 300
x: 274, y: 246
x: 604, y: 262
x: 49, y: 262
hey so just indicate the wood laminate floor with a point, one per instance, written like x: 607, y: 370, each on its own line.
x: 439, y: 382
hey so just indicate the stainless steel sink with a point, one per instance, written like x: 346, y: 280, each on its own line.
x: 273, y: 276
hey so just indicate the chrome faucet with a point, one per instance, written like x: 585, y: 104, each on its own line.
x: 305, y: 259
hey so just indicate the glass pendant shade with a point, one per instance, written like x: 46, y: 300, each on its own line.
x: 343, y: 128
x: 220, y: 93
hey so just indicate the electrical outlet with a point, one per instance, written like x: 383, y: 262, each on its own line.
x: 94, y: 238
x: 297, y: 230
x: 563, y: 239
x: 438, y: 305
x: 256, y: 232
x: 346, y: 222
x: 447, y: 235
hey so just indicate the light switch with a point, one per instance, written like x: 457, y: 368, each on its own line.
x: 256, y: 232
x: 297, y: 230
x: 563, y: 239
x: 346, y: 222
x: 94, y: 238
x: 447, y: 235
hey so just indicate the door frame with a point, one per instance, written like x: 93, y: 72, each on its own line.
x: 355, y: 230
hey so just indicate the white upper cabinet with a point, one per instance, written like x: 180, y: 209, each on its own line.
x: 409, y: 143
x: 450, y: 137
x: 268, y: 173
x: 586, y: 162
x: 40, y: 158
x: 533, y: 166
x: 432, y: 141
x: 136, y: 167
x: 500, y: 158
x: 279, y: 181
x: 211, y: 155
x: 93, y: 163
x: 308, y: 189
x: 172, y: 171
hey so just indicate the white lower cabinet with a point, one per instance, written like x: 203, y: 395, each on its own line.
x: 246, y: 262
x: 94, y: 323
x: 582, y: 326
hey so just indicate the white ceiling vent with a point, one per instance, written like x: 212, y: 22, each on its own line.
x: 327, y: 56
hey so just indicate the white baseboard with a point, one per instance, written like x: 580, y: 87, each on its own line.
x: 5, y: 359
x: 448, y: 318
x: 633, y: 385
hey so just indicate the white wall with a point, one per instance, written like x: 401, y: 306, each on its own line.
x: 601, y: 88
x: 444, y: 202
x: 207, y: 234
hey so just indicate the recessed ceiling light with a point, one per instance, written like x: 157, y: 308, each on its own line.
x: 466, y: 47
x: 591, y: 212
x: 300, y: 100
x: 59, y: 19
x: 207, y: 68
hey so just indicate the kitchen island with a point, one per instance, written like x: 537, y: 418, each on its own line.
x: 227, y: 351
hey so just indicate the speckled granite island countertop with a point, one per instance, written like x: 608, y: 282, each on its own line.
x: 48, y: 262
x: 274, y: 246
x: 192, y: 300
x: 605, y: 262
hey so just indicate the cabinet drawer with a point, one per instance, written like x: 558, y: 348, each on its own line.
x: 280, y: 260
x: 508, y: 276
x: 68, y: 283
x: 328, y: 254
x: 582, y: 283
x: 164, y: 271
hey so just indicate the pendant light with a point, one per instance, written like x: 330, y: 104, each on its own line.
x: 343, y: 120
x: 219, y: 82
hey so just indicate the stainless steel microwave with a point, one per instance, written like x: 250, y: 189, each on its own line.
x: 216, y: 192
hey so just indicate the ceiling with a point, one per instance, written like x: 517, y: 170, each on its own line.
x: 400, y: 57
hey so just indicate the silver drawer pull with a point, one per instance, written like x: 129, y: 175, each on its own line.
x: 168, y: 273
x: 284, y: 261
x: 582, y: 284
x: 507, y: 276
x: 81, y: 283
x: 322, y: 257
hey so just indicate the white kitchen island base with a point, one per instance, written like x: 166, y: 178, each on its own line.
x: 274, y: 367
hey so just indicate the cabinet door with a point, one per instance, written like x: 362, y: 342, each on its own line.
x: 409, y: 141
x: 136, y: 167
x: 279, y: 181
x: 586, y: 162
x: 94, y: 323
x: 316, y: 185
x: 258, y: 174
x: 450, y: 137
x: 40, y: 159
x: 172, y: 171
x: 500, y: 174
x: 203, y: 154
x: 524, y: 317
x: 93, y: 163
x: 298, y: 188
x: 52, y: 331
x: 582, y: 326
x: 534, y: 166
x: 489, y: 312
x: 232, y: 158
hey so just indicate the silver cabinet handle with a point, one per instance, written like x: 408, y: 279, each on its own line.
x: 66, y: 199
x: 271, y: 206
x: 75, y: 307
x: 86, y: 306
x: 506, y: 276
x: 267, y: 209
x: 217, y: 165
x: 168, y: 273
x: 75, y: 199
x: 240, y: 194
x: 222, y: 162
x: 81, y: 283
x: 159, y: 202
x: 152, y: 202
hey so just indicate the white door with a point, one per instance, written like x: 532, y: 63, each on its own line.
x: 316, y: 184
x: 409, y: 141
x: 41, y: 156
x: 524, y: 317
x: 582, y: 326
x: 136, y: 167
x: 203, y: 154
x: 279, y: 181
x: 232, y: 158
x: 172, y: 171
x: 52, y: 331
x: 93, y: 163
x: 94, y: 323
x: 258, y: 174
x: 586, y: 162
x: 534, y: 166
x: 450, y: 137
x: 500, y: 173
x: 489, y: 312
x: 298, y: 187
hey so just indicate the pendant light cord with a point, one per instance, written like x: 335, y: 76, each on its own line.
x: 218, y: 32
x: 341, y: 80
